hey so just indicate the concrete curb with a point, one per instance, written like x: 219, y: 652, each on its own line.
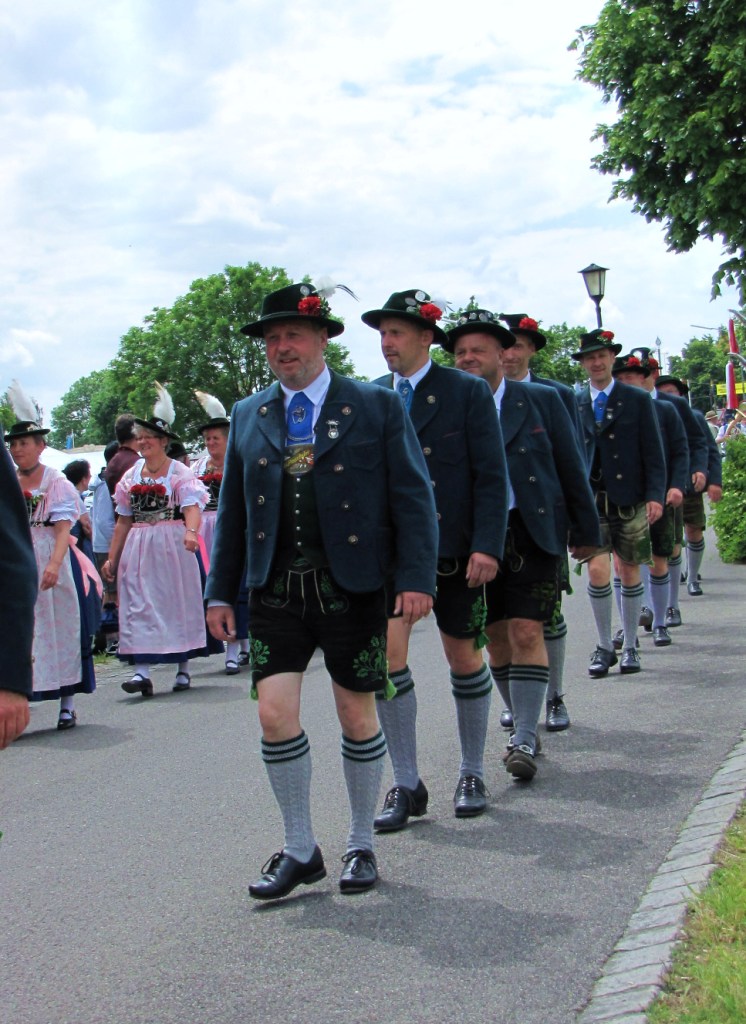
x: 633, y: 974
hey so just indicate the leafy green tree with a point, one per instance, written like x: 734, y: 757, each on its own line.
x: 555, y: 359
x: 702, y: 365
x: 729, y: 514
x: 676, y: 70
x: 194, y: 344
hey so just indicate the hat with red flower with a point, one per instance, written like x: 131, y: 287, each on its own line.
x: 631, y: 363
x: 299, y: 302
x: 478, y: 321
x: 595, y: 341
x: 412, y: 305
x: 521, y: 323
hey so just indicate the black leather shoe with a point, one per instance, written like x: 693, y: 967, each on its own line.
x: 282, y: 873
x: 401, y: 804
x: 673, y: 617
x: 506, y: 718
x: 646, y: 619
x: 661, y: 637
x: 601, y: 662
x: 693, y: 589
x: 360, y: 872
x: 630, y: 661
x: 521, y: 763
x: 557, y: 716
x: 67, y: 720
x: 139, y: 684
x: 511, y: 746
x: 470, y: 798
x: 618, y: 640
x: 243, y: 659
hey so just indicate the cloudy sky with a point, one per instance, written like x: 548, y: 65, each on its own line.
x: 437, y: 145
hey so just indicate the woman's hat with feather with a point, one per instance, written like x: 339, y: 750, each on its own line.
x: 28, y: 417
x: 163, y: 415
x: 214, y: 409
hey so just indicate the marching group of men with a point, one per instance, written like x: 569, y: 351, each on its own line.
x: 359, y: 508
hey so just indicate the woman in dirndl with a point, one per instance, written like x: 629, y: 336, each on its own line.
x: 156, y: 557
x: 62, y: 657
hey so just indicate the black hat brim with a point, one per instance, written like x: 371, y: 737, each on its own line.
x: 217, y: 421
x: 374, y: 316
x: 16, y: 431
x: 499, y: 333
x: 616, y: 349
x: 256, y: 328
x: 150, y: 425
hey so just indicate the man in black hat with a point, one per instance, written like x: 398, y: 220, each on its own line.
x: 706, y: 473
x: 325, y: 494
x: 457, y: 428
x: 551, y: 506
x: 635, y: 371
x: 628, y: 478
x: 516, y: 366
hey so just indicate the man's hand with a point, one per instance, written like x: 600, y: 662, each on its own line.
x: 222, y: 622
x: 14, y: 716
x: 654, y: 511
x: 699, y: 480
x: 714, y: 492
x: 675, y: 497
x: 583, y: 552
x: 480, y: 569
x: 411, y: 606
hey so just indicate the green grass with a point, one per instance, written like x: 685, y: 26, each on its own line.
x: 707, y: 981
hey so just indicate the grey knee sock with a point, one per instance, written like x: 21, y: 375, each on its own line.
x: 617, y: 583
x: 658, y: 596
x: 631, y: 606
x: 555, y: 641
x: 601, y: 605
x: 473, y: 696
x: 695, y: 550
x: 288, y: 765
x: 528, y: 691
x: 398, y: 718
x: 501, y: 675
x: 362, y: 762
x: 674, y: 571
x: 647, y: 598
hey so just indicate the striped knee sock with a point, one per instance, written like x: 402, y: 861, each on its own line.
x: 362, y: 762
x: 473, y: 696
x: 288, y: 765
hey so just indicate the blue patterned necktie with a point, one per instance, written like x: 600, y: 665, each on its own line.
x: 300, y: 419
x: 599, y: 406
x: 406, y: 391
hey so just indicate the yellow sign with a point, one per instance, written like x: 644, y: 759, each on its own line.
x: 740, y: 388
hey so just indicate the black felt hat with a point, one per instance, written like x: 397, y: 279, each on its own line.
x: 295, y: 302
x: 520, y: 323
x: 479, y: 321
x: 595, y: 341
x: 677, y: 382
x: 158, y: 426
x: 414, y: 305
x: 25, y: 428
x: 632, y: 364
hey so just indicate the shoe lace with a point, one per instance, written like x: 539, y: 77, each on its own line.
x: 272, y: 863
x: 470, y: 785
x: 358, y: 858
x: 392, y: 797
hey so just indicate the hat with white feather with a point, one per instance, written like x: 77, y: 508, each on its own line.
x: 28, y: 417
x: 214, y: 409
x: 163, y: 415
x: 414, y: 305
x: 300, y: 302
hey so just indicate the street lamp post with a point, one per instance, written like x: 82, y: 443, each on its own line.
x: 595, y: 284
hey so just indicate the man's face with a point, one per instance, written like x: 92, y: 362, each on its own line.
x: 405, y: 346
x: 669, y: 389
x: 630, y: 377
x: 295, y: 352
x: 598, y: 367
x: 481, y: 355
x: 517, y: 357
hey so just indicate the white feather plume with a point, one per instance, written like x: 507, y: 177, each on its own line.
x: 326, y: 287
x: 164, y: 407
x: 212, y: 405
x: 23, y: 406
x: 443, y: 305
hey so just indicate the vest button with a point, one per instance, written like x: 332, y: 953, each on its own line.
x: 431, y: 399
x: 427, y: 451
x: 339, y: 468
x: 541, y: 511
x: 297, y: 529
x: 522, y: 451
x: 346, y: 410
x: 262, y: 462
x: 260, y: 500
x: 532, y: 479
x: 352, y: 539
x: 619, y: 476
x: 345, y: 505
x: 260, y: 535
x: 438, y: 516
x: 611, y: 437
x: 263, y: 410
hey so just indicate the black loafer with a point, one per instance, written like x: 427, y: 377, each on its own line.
x: 661, y: 637
x: 360, y: 871
x: 630, y: 661
x: 521, y: 763
x: 243, y: 659
x: 693, y: 589
x: 399, y: 805
x: 557, y: 717
x: 618, y: 640
x: 67, y: 720
x: 601, y: 662
x: 506, y: 718
x: 673, y: 617
x: 138, y: 684
x: 470, y: 798
x: 282, y: 873
x: 646, y: 619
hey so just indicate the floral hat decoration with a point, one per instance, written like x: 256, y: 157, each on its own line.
x: 631, y: 364
x: 300, y: 302
x: 163, y: 416
x: 28, y: 417
x: 595, y: 341
x: 521, y: 323
x: 479, y: 321
x: 414, y: 305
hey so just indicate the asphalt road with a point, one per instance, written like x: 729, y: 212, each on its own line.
x: 129, y: 843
